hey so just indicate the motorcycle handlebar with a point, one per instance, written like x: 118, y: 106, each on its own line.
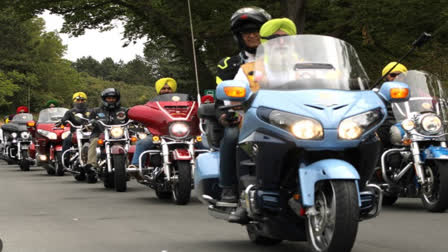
x: 115, y: 125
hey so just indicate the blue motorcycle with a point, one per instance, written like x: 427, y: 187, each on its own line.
x: 307, y: 144
x: 416, y: 162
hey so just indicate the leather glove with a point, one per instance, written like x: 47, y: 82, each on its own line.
x: 230, y: 119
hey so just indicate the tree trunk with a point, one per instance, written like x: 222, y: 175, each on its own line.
x: 294, y: 10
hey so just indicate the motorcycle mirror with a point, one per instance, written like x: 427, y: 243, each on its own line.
x: 424, y: 37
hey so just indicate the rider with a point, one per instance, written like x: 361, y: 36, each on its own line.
x: 162, y: 86
x: 244, y: 24
x: 282, y: 26
x: 79, y: 107
x: 19, y: 110
x: 383, y: 131
x: 110, y: 112
x: 271, y: 29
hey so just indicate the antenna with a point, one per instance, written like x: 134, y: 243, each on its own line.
x: 194, y: 54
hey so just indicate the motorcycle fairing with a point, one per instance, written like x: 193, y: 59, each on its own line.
x: 329, y: 107
x: 434, y: 152
x: 206, y: 175
x: 327, y: 169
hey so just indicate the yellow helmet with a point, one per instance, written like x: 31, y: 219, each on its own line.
x: 79, y: 95
x: 399, y: 68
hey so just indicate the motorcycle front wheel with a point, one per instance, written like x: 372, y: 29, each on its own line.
x: 58, y: 167
x: 182, y: 187
x: 119, y: 164
x: 24, y: 163
x: 332, y: 225
x: 435, y: 195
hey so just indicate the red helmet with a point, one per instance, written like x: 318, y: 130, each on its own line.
x: 22, y: 109
x: 207, y: 99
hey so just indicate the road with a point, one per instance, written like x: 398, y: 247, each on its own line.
x: 39, y: 213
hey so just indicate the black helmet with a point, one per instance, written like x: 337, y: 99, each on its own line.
x: 247, y: 19
x: 110, y: 92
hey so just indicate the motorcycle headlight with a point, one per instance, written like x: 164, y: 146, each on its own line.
x: 14, y: 135
x: 65, y: 134
x: 431, y: 123
x: 299, y: 126
x: 25, y: 135
x: 353, y: 127
x: 116, y: 132
x: 179, y: 129
x: 48, y: 134
x: 408, y: 124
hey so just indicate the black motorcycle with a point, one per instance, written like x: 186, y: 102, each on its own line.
x: 17, y: 140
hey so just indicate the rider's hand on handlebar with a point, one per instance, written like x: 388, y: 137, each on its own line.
x: 229, y: 119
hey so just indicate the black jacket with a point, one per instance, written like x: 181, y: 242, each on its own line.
x: 109, y: 117
x: 70, y: 116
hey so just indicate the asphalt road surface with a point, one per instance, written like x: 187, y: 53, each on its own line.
x: 40, y: 213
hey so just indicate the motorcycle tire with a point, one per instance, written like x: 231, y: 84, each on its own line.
x: 389, y: 200
x: 50, y: 170
x: 24, y: 163
x: 10, y: 161
x: 338, y: 200
x: 259, y: 239
x: 438, y: 200
x: 58, y: 167
x: 182, y: 188
x: 163, y: 195
x: 121, y: 178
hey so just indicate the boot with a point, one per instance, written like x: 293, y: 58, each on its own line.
x: 239, y: 216
x: 228, y: 195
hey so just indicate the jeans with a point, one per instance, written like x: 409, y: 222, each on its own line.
x: 142, y: 145
x: 227, y: 161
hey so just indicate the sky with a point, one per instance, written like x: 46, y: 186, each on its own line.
x: 93, y: 43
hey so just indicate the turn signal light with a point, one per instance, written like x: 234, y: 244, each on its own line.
x: 237, y: 92
x: 406, y: 142
x: 399, y: 93
x: 155, y: 139
x: 100, y: 141
x: 31, y: 123
x: 133, y: 139
x: 199, y: 138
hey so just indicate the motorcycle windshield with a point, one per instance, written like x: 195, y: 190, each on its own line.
x: 22, y: 118
x: 51, y: 115
x: 426, y: 95
x: 308, y: 62
x: 172, y: 97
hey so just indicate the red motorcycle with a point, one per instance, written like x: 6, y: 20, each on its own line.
x: 48, y: 140
x: 173, y: 122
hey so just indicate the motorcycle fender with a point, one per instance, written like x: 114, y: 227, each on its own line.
x: 327, y: 169
x: 207, y: 167
x: 32, y: 150
x: 435, y: 152
x: 58, y: 148
x: 117, y: 149
x: 181, y: 154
